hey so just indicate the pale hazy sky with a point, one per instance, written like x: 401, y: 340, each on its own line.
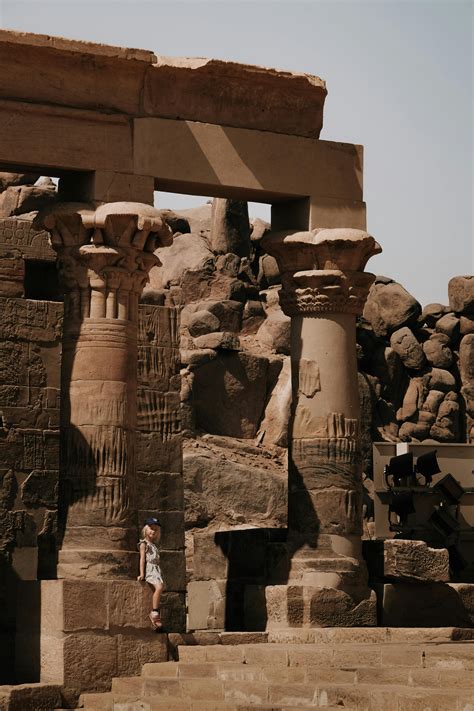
x: 400, y: 80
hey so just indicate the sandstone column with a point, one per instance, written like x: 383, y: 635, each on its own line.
x: 324, y: 288
x: 104, y: 257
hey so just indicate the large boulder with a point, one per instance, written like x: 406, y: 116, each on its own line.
x: 437, y: 351
x: 389, y: 307
x: 410, y: 351
x: 230, y: 227
x: 8, y: 180
x: 461, y: 294
x: 275, y: 333
x: 466, y: 367
x: 227, y: 484
x: 23, y: 199
x: 189, y: 252
x: 198, y: 219
x: 229, y: 394
x: 431, y: 313
x: 449, y: 325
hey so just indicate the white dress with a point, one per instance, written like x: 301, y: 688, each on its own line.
x: 153, y: 572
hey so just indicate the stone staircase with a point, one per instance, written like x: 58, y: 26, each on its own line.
x: 373, y: 670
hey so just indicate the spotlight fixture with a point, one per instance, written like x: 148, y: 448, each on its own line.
x: 444, y: 523
x: 450, y: 489
x: 401, y: 504
x: 427, y: 465
x: 400, y: 469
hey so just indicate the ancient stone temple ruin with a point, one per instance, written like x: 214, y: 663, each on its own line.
x: 249, y: 383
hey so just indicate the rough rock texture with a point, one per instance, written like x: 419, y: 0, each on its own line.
x: 230, y: 227
x: 461, y: 294
x: 415, y: 561
x: 389, y: 307
x: 230, y: 482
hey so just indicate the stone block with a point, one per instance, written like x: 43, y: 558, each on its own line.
x: 106, y: 186
x: 239, y: 398
x: 84, y: 605
x: 155, y: 455
x: 83, y: 633
x: 173, y: 611
x: 134, y: 650
x: 12, y: 274
x: 428, y: 605
x: 31, y: 696
x: 173, y: 565
x: 206, y: 604
x: 40, y: 488
x: 210, y: 562
x: 413, y: 560
x: 308, y: 606
x: 128, y: 604
x: 77, y: 142
x: 89, y: 662
x: 161, y: 491
x: 205, y: 81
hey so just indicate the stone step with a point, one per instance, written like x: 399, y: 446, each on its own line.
x: 446, y: 678
x: 182, y: 694
x: 124, y: 703
x: 30, y: 697
x: 453, y: 655
x: 359, y: 635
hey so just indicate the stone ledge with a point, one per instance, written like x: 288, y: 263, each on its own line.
x: 136, y: 82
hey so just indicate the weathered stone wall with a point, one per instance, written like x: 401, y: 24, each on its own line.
x: 160, y: 490
x: 30, y: 351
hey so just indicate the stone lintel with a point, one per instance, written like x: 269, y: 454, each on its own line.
x: 138, y: 83
x: 187, y: 156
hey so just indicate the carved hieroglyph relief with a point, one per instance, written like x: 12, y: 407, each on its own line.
x: 104, y: 258
x: 309, y: 378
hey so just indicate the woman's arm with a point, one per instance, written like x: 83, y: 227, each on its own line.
x: 142, y: 561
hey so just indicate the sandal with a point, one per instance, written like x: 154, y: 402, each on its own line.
x: 155, y: 620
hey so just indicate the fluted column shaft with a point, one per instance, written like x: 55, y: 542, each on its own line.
x: 104, y: 257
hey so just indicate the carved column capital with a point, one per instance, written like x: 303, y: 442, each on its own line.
x: 322, y: 270
x: 105, y: 255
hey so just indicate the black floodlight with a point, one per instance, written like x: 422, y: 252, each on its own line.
x: 449, y: 488
x: 400, y: 469
x: 401, y: 504
x: 427, y: 465
x: 444, y: 522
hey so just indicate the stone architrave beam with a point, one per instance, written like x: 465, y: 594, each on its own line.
x: 104, y: 257
x: 324, y: 288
